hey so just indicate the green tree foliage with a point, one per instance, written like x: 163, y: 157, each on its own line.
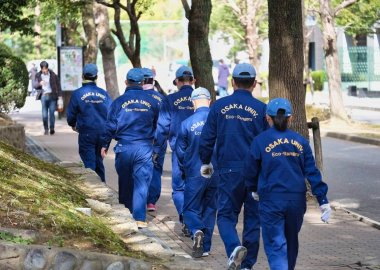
x: 13, y: 80
x: 359, y: 18
x: 12, y: 16
x: 319, y: 77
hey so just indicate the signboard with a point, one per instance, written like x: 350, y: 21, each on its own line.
x: 70, y: 67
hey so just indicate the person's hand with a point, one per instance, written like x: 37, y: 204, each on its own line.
x: 326, y: 212
x: 42, y: 83
x: 255, y: 196
x: 207, y: 170
x: 103, y: 152
x: 155, y: 159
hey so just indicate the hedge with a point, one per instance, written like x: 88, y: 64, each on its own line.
x: 319, y: 77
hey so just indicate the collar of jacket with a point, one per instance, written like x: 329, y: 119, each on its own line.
x: 202, y: 109
x: 242, y: 92
x: 186, y: 87
x: 133, y: 88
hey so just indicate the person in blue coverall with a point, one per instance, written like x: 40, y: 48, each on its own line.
x: 175, y: 108
x: 199, y: 210
x: 131, y: 122
x: 275, y: 170
x: 86, y: 114
x: 155, y: 185
x: 232, y: 124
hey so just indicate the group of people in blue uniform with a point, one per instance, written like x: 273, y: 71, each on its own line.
x: 237, y: 152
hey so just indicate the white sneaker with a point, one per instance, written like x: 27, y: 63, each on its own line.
x: 205, y: 254
x: 236, y: 258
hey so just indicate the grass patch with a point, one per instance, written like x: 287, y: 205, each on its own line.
x: 42, y: 196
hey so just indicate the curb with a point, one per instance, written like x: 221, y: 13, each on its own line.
x: 364, y: 108
x: 351, y: 138
x: 368, y: 221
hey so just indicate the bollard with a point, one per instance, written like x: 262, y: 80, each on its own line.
x: 314, y: 125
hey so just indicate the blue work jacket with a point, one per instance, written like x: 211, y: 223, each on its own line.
x: 88, y: 108
x: 175, y: 108
x: 232, y: 124
x: 278, y: 164
x: 132, y: 118
x: 188, y: 143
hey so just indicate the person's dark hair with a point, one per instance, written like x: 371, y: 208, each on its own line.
x: 159, y: 88
x: 44, y: 64
x: 244, y: 83
x: 90, y: 77
x: 148, y: 81
x: 186, y: 77
x: 280, y: 121
x: 133, y: 83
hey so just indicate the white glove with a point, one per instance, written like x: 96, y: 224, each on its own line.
x: 255, y: 196
x: 207, y: 170
x: 326, y: 212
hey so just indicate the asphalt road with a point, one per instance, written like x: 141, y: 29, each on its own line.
x: 352, y: 171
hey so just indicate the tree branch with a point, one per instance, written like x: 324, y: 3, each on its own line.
x: 313, y: 11
x: 343, y: 5
x: 104, y: 3
x: 235, y: 8
x: 186, y: 7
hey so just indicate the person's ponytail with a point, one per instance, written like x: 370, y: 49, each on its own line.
x: 280, y: 121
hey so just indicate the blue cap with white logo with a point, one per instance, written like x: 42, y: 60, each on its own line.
x: 243, y: 71
x: 183, y: 71
x: 135, y: 75
x: 279, y: 103
x: 200, y: 93
x: 148, y: 73
x: 90, y: 70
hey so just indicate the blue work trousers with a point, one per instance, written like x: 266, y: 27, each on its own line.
x: 49, y: 106
x: 155, y: 185
x: 89, y: 151
x: 281, y: 222
x: 178, y: 185
x: 232, y: 195
x: 199, y: 210
x: 134, y: 166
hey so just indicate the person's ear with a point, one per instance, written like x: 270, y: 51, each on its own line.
x: 193, y: 81
x: 254, y: 84
x: 126, y: 82
x: 233, y: 83
x: 269, y: 120
x: 290, y: 120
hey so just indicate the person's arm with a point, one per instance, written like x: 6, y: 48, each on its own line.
x: 208, y: 137
x: 251, y: 169
x: 181, y: 146
x: 313, y: 175
x: 72, y: 111
x: 163, y: 126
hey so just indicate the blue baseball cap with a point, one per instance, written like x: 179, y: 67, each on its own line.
x: 200, y: 93
x: 244, y: 70
x: 279, y: 103
x: 183, y: 71
x: 148, y: 73
x: 90, y: 70
x: 135, y: 75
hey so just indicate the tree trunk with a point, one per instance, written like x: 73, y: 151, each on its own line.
x: 37, y: 29
x: 252, y: 39
x: 200, y: 56
x: 286, y: 58
x: 107, y: 47
x: 332, y: 61
x: 88, y: 21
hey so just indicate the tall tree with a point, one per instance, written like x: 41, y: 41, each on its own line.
x: 89, y: 27
x: 286, y: 57
x: 12, y: 16
x: 134, y: 9
x: 107, y: 47
x: 328, y: 14
x: 199, y: 18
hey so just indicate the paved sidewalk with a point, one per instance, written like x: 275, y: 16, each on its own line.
x: 344, y: 243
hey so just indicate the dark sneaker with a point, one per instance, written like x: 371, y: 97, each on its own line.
x: 186, y: 232
x: 198, y: 244
x: 46, y: 132
x: 52, y: 131
x: 236, y: 258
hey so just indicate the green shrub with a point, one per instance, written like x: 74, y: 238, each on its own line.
x: 14, y: 80
x: 319, y: 77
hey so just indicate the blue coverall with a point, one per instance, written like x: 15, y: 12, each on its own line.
x: 199, y: 210
x: 232, y: 124
x: 276, y: 167
x: 175, y: 108
x: 131, y: 122
x: 155, y: 185
x: 87, y: 112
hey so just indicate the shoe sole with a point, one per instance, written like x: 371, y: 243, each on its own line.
x: 151, y: 210
x: 238, y: 259
x: 198, y: 245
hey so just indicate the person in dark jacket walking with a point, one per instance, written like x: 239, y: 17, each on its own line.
x: 48, y: 83
x: 86, y: 114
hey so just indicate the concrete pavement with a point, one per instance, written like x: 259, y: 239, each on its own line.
x: 344, y: 243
